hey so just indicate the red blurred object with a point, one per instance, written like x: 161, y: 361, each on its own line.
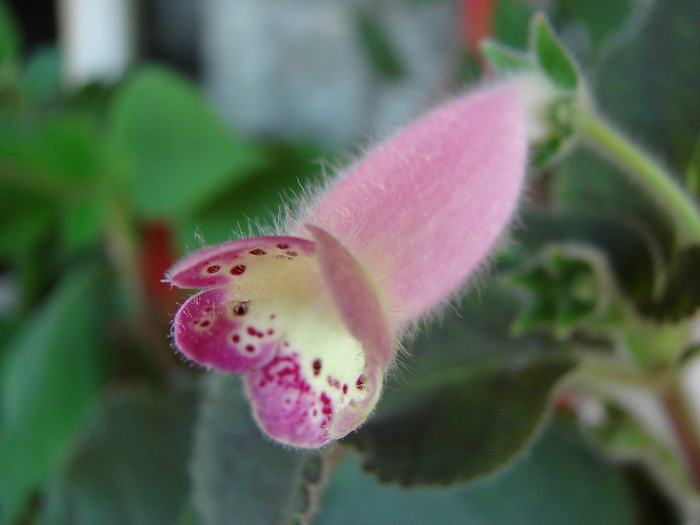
x: 477, y: 23
x: 158, y: 256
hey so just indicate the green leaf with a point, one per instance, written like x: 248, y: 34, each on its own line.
x: 131, y: 463
x: 477, y: 400
x: 10, y: 39
x: 650, y: 85
x: 256, y: 200
x: 181, y: 154
x: 377, y: 46
x: 570, y: 288
x: 26, y: 220
x: 511, y: 22
x: 504, y: 59
x: 600, y: 25
x: 56, y: 157
x: 680, y: 297
x: 239, y: 476
x: 559, y: 482
x: 551, y: 55
x: 50, y: 376
x: 586, y: 183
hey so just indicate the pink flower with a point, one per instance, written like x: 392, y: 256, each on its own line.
x: 312, y: 318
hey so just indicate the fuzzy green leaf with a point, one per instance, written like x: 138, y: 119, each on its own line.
x: 552, y: 57
x: 561, y: 481
x: 239, y: 476
x: 569, y: 288
x: 680, y: 297
x: 476, y: 401
x: 130, y: 465
x: 50, y: 376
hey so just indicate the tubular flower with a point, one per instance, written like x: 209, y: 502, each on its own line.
x: 311, y: 318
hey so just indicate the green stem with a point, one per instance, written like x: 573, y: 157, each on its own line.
x: 681, y: 417
x: 642, y: 168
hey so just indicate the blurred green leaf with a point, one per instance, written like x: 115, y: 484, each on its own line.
x: 50, y: 376
x: 181, y: 154
x: 504, y: 59
x: 569, y: 287
x: 258, y: 199
x: 477, y: 399
x: 25, y: 219
x: 650, y: 85
x: 10, y: 39
x: 551, y: 55
x: 584, y: 182
x: 57, y: 156
x: 680, y: 297
x: 511, y: 22
x: 239, y: 476
x: 41, y: 81
x: 604, y: 22
x: 82, y: 222
x: 377, y: 46
x: 130, y: 465
x: 559, y: 482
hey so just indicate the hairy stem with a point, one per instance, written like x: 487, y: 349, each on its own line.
x: 685, y: 428
x: 642, y: 168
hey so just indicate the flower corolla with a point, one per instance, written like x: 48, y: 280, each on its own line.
x: 311, y: 318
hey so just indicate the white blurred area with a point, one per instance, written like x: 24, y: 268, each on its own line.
x: 97, y: 38
x: 286, y: 69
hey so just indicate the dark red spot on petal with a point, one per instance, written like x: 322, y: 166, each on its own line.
x: 213, y: 268
x: 251, y: 330
x: 257, y: 251
x: 316, y: 365
x: 325, y: 399
x: 282, y: 245
x: 327, y: 410
x: 238, y: 269
x: 292, y: 254
x: 240, y: 308
x: 270, y: 331
x: 360, y: 384
x: 249, y: 348
x: 205, y: 323
x: 345, y: 389
x: 236, y: 338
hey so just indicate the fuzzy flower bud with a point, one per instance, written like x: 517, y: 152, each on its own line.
x: 312, y: 318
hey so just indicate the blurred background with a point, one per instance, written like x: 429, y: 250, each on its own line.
x: 133, y: 131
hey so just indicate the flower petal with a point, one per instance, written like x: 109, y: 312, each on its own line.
x: 227, y: 262
x: 217, y: 328
x: 308, y: 377
x: 355, y: 297
x: 424, y: 208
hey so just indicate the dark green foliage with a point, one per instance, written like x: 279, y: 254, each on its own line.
x: 130, y: 463
x: 50, y: 376
x: 475, y: 401
x: 239, y: 476
x: 560, y: 481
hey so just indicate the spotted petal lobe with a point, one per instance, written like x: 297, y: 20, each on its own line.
x: 313, y: 369
x: 226, y: 263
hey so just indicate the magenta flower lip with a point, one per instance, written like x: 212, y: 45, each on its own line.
x: 312, y: 320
